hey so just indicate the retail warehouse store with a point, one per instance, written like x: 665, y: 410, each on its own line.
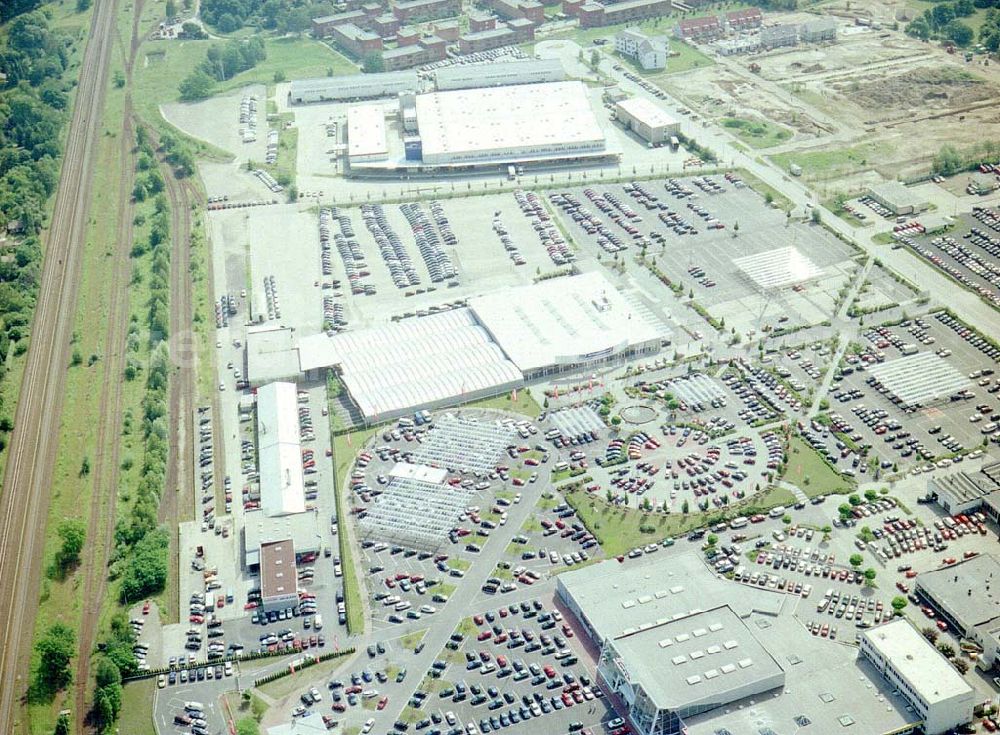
x: 498, y: 342
x: 484, y: 127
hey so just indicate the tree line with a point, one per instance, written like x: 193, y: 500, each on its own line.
x: 139, y: 558
x: 221, y: 63
x: 34, y: 103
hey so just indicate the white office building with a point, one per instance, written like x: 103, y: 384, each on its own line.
x: 648, y: 52
x: 923, y: 677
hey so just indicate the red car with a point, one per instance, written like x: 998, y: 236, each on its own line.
x: 145, y: 608
x: 478, y: 619
x: 382, y: 703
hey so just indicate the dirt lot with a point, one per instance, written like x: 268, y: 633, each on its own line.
x: 873, y: 105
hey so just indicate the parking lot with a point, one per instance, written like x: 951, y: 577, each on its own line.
x: 705, y: 224
x: 968, y: 253
x: 513, y: 663
x: 902, y: 435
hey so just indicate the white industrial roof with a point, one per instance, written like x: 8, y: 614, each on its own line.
x: 366, y: 131
x: 422, y: 472
x: 647, y: 113
x: 281, y: 482
x: 617, y: 600
x: 479, y: 124
x: 514, y: 71
x: 920, y: 378
x: 271, y: 353
x: 354, y: 85
x: 777, y: 268
x: 563, y: 321
x: 414, y: 362
x: 917, y: 661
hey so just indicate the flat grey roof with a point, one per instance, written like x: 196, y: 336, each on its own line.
x: 616, y: 600
x: 497, y: 70
x: 837, y: 693
x: 968, y: 589
x: 698, y: 658
x: 917, y: 661
x: 896, y: 194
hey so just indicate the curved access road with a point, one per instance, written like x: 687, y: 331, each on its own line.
x: 33, y: 443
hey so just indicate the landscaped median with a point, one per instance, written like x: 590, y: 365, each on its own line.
x: 619, y: 529
x: 344, y: 446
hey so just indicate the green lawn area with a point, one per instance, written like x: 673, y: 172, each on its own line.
x: 295, y: 58
x: 765, y: 190
x: 344, y: 448
x: 974, y: 21
x: 756, y: 133
x: 687, y: 58
x: 286, y: 685
x: 524, y: 404
x: 137, y: 707
x: 822, y: 164
x: 412, y: 640
x: 467, y: 627
x: 621, y: 529
x: 457, y: 563
x: 809, y: 471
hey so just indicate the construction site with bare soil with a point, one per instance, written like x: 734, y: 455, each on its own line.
x: 854, y: 111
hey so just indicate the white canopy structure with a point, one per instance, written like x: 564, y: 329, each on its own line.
x: 417, y: 362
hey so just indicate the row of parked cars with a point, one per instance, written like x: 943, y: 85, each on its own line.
x: 548, y: 234
x: 390, y: 246
x: 429, y: 242
x: 607, y: 240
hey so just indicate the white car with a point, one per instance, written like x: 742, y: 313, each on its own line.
x: 368, y: 725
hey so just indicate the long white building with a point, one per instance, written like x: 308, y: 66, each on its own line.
x: 354, y: 87
x: 931, y: 685
x: 282, y: 489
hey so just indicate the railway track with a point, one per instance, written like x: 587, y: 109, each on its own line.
x: 34, y: 440
x: 109, y: 430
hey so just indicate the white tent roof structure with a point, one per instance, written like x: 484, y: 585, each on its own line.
x: 282, y: 490
x: 415, y: 362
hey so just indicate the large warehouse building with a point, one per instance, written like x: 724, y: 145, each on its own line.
x: 566, y: 324
x: 685, y: 666
x: 932, y: 686
x: 508, y: 124
x: 366, y: 135
x: 426, y: 362
x: 685, y: 651
x: 485, y: 349
x: 282, y: 490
